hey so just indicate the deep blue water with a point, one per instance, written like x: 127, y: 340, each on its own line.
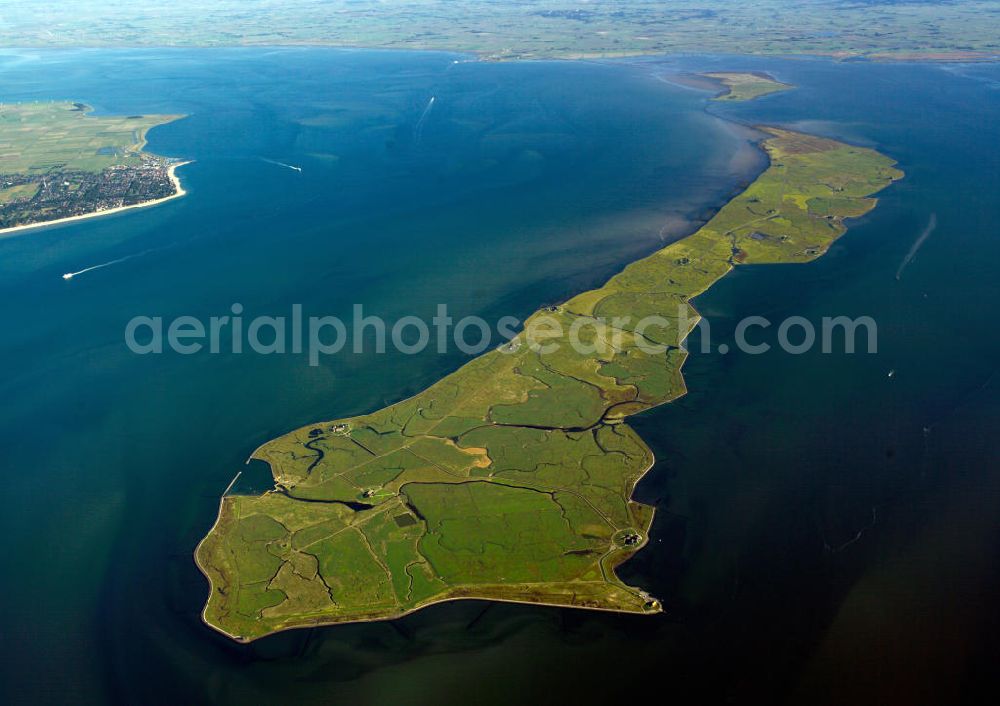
x: 523, y: 184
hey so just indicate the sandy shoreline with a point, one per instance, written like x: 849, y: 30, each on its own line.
x: 178, y: 192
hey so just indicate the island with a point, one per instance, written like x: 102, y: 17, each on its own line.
x: 58, y: 163
x: 511, y: 479
x: 746, y: 85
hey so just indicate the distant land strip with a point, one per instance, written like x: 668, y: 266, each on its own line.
x: 533, y: 29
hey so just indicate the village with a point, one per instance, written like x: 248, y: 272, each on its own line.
x: 57, y: 194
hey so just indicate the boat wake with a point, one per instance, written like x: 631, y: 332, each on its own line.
x: 924, y: 235
x: 281, y: 164
x: 418, y: 129
x: 71, y: 275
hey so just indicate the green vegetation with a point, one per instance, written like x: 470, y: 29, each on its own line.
x: 56, y: 161
x: 745, y: 86
x: 529, y: 28
x: 511, y: 479
x: 18, y: 192
x: 39, y: 138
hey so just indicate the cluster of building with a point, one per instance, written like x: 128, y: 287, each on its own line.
x: 64, y: 194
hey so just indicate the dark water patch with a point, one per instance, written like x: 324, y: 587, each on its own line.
x: 406, y: 520
x: 352, y: 504
x: 255, y: 478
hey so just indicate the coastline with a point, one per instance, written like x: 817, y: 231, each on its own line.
x: 179, y: 191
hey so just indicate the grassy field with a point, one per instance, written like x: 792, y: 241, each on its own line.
x: 741, y: 86
x: 37, y: 138
x: 511, y: 479
x: 18, y: 192
x: 526, y: 29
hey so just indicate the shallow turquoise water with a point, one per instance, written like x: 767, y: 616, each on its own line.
x: 523, y: 184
